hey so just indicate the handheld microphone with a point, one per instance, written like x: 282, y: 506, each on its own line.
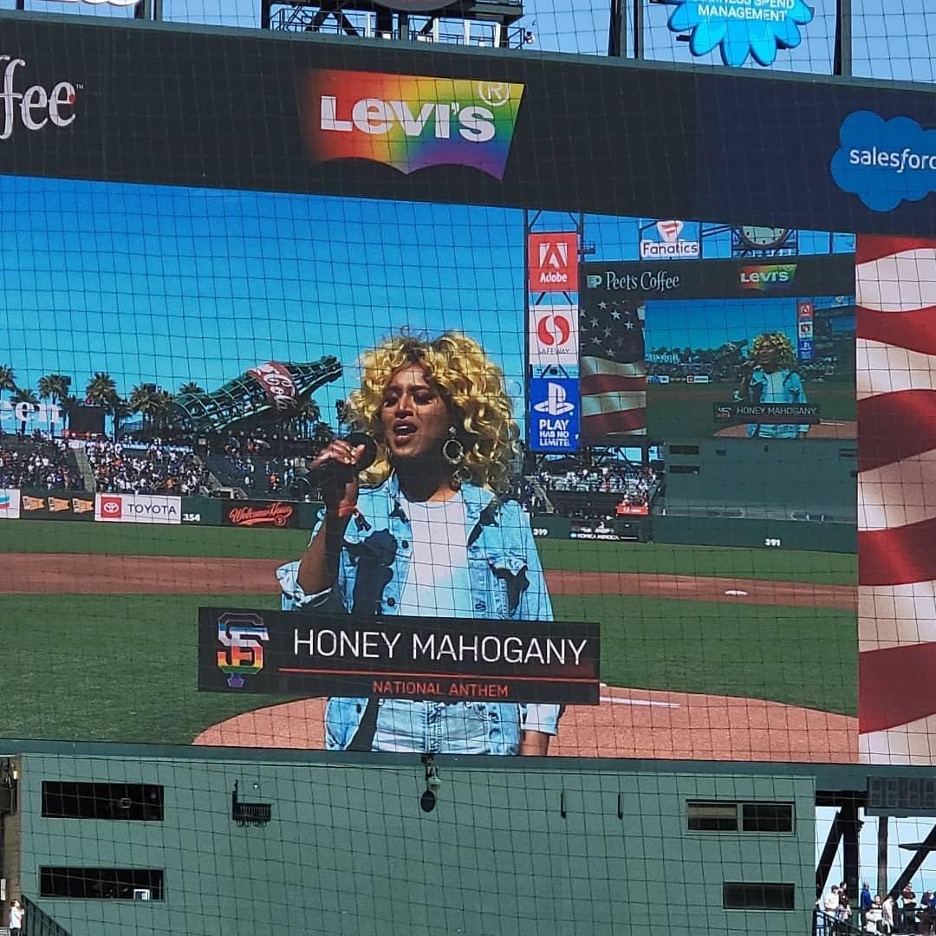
x: 331, y: 471
x: 369, y: 455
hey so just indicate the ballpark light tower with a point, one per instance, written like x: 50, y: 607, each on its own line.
x: 491, y: 23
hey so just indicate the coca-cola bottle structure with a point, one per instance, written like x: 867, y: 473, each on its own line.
x: 272, y: 391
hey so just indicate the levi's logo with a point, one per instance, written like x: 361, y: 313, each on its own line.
x: 409, y: 122
x: 776, y: 278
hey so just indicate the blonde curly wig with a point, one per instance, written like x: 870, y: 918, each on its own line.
x: 786, y: 357
x: 472, y: 387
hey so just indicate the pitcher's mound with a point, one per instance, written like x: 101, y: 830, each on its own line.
x: 629, y: 723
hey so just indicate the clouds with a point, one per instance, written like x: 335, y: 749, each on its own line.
x: 884, y: 162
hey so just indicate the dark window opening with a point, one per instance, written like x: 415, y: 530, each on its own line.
x: 101, y: 883
x: 758, y: 896
x: 684, y: 450
x: 728, y: 816
x: 139, y: 802
x: 767, y: 817
x: 712, y: 817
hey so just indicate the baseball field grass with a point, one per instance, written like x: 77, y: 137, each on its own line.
x: 122, y: 667
x: 48, y: 536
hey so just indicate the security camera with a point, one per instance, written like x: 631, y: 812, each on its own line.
x: 433, y: 780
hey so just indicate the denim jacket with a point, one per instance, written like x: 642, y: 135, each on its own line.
x: 505, y: 575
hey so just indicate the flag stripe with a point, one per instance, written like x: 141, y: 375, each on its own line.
x: 614, y: 402
x: 632, y: 422
x: 883, y: 368
x: 903, y: 667
x: 596, y: 365
x: 915, y: 330
x: 890, y: 615
x: 895, y: 426
x: 901, y: 283
x: 897, y: 556
x: 897, y: 494
x: 870, y: 247
x: 608, y: 383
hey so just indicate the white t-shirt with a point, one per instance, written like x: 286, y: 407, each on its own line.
x: 16, y: 917
x: 437, y: 582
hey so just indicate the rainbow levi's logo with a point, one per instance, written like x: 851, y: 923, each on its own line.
x: 409, y: 122
x: 775, y: 278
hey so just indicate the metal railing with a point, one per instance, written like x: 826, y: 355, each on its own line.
x: 38, y: 922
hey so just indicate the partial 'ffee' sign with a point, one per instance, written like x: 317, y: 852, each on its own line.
x: 290, y: 653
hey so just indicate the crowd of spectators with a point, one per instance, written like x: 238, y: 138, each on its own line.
x: 39, y: 463
x: 151, y: 468
x: 635, y: 483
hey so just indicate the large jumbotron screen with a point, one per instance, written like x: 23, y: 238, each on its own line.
x: 624, y: 420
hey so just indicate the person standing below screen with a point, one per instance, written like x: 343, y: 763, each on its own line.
x: 768, y: 377
x: 428, y: 531
x: 17, y: 916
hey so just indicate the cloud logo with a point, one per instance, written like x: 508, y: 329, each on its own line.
x: 884, y: 162
x: 741, y: 27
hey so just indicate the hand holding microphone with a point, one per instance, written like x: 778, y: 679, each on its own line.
x: 337, y: 467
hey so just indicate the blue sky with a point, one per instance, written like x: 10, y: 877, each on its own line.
x: 710, y: 323
x: 164, y: 285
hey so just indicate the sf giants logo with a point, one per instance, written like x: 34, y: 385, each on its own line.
x: 242, y: 635
x: 35, y: 107
x: 553, y: 262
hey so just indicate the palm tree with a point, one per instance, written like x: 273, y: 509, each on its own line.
x: 102, y: 391
x: 54, y: 387
x: 190, y: 387
x: 162, y: 401
x: 7, y: 379
x: 141, y: 401
x: 25, y: 396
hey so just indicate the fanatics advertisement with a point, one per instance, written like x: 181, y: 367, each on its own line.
x: 385, y: 326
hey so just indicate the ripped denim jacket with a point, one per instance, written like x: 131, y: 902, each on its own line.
x: 506, y: 583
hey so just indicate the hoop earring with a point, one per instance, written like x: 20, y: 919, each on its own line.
x: 452, y: 450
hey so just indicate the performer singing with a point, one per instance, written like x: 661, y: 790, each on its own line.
x: 427, y: 530
x: 768, y: 377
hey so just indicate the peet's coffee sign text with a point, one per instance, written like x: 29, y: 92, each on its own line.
x: 33, y: 107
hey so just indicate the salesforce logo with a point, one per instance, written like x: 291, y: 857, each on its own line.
x: 884, y: 162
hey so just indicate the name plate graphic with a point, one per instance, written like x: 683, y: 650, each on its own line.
x: 442, y: 659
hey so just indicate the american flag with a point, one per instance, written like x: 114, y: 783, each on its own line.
x: 612, y: 371
x: 896, y: 376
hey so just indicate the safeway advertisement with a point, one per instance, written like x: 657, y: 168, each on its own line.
x: 137, y: 508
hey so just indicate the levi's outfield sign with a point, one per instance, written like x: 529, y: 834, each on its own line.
x: 298, y: 653
x: 409, y: 122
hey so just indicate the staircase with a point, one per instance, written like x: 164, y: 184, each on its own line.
x: 86, y: 471
x: 38, y: 922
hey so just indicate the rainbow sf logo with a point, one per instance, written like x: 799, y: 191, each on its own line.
x: 409, y: 122
x: 242, y: 635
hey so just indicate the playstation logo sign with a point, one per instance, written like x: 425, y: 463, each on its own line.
x: 556, y: 402
x: 554, y: 416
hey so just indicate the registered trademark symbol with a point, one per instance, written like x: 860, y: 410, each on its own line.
x: 494, y: 93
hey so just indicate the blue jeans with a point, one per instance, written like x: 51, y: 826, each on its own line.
x: 406, y: 727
